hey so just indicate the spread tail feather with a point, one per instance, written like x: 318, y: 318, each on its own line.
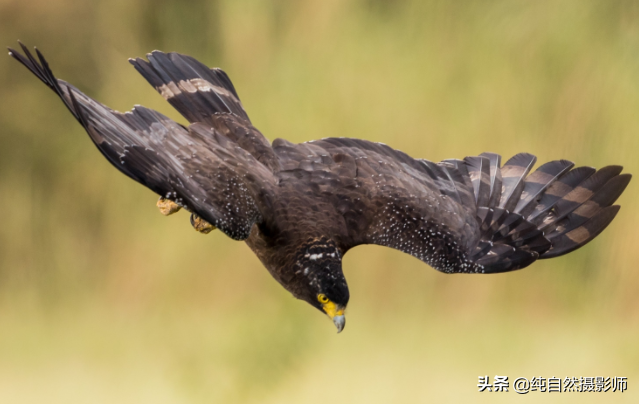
x: 196, y: 91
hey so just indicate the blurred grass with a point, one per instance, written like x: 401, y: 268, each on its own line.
x: 104, y: 300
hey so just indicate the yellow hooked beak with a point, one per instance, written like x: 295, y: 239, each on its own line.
x: 336, y: 313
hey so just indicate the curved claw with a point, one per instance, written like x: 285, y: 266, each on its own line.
x: 201, y: 225
x: 167, y: 207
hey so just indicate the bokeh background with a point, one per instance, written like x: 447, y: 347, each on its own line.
x: 103, y: 300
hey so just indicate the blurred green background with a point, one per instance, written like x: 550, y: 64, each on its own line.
x: 103, y: 300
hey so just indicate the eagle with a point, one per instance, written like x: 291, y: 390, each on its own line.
x: 301, y: 207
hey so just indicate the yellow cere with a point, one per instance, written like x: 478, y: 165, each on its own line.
x: 329, y: 307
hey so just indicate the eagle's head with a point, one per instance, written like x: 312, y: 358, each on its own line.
x: 319, y: 279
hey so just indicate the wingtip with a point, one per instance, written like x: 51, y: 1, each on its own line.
x: 40, y: 56
x: 155, y: 52
x: 24, y: 47
x: 625, y: 177
x: 613, y: 167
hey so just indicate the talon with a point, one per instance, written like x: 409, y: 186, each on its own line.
x: 201, y: 225
x: 167, y: 206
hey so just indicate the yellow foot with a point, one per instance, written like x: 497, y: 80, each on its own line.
x: 201, y: 225
x: 167, y: 207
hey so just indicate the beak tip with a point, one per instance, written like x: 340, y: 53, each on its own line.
x: 340, y: 322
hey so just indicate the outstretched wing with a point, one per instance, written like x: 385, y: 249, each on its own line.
x: 198, y: 168
x: 470, y: 215
x: 205, y: 95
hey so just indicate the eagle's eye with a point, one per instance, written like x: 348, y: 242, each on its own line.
x: 322, y: 298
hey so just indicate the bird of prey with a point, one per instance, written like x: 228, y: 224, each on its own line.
x: 301, y: 207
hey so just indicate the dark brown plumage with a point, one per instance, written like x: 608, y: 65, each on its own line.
x: 301, y: 207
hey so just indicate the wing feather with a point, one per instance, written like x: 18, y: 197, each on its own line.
x: 479, y: 171
x: 205, y: 95
x: 495, y: 178
x: 537, y: 182
x: 446, y: 214
x: 170, y: 159
x: 513, y: 174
